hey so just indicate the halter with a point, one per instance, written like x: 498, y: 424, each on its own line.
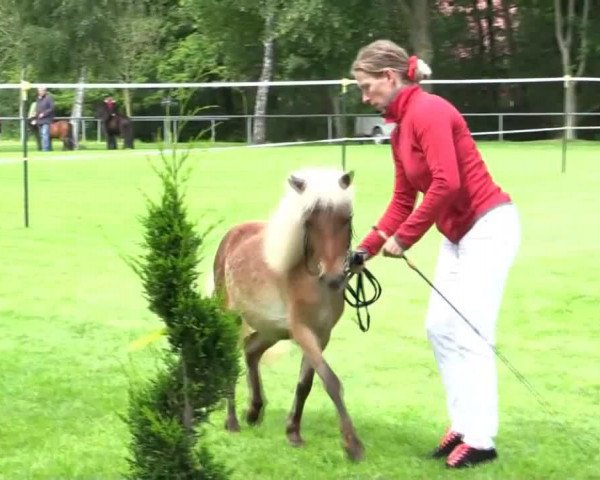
x: 308, y: 251
x: 353, y: 296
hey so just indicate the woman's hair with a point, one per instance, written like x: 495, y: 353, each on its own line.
x: 382, y: 54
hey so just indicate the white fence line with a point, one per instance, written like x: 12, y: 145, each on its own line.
x: 173, y: 122
x: 296, y: 83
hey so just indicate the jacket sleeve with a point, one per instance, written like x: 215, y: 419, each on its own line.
x: 49, y: 106
x: 433, y: 130
x: 400, y: 206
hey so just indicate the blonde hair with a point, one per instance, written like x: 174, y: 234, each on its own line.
x: 374, y: 58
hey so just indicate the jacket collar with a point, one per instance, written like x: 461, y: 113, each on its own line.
x: 400, y: 103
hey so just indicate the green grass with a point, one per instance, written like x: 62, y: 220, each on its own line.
x: 69, y: 306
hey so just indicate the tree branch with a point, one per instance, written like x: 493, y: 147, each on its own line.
x: 560, y: 39
x: 584, y: 38
x: 570, y: 22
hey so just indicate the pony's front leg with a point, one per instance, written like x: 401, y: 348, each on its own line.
x: 309, y: 343
x: 254, y: 347
x: 305, y: 382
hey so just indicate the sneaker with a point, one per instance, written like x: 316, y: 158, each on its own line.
x: 466, y: 456
x: 447, y: 444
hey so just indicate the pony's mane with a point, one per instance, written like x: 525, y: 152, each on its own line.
x: 284, y: 235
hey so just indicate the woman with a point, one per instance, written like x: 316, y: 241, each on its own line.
x: 434, y: 153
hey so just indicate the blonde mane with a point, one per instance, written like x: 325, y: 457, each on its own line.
x: 284, y: 235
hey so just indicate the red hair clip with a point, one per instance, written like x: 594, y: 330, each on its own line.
x: 412, y: 68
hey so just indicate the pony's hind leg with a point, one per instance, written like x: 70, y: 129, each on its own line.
x: 305, y: 382
x: 255, y: 346
x: 311, y: 347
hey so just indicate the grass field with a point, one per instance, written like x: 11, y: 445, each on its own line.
x: 69, y: 306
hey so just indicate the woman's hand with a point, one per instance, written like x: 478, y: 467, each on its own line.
x: 392, y: 248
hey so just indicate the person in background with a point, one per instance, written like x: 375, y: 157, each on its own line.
x: 32, y: 120
x: 45, y: 116
x: 111, y: 106
x: 435, y: 154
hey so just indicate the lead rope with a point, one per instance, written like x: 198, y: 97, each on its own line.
x: 356, y: 297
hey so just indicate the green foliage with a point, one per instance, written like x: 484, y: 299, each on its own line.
x: 168, y: 270
x: 205, y: 40
x: 161, y: 448
x: 203, y: 362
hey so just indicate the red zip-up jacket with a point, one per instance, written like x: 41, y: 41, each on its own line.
x: 434, y: 153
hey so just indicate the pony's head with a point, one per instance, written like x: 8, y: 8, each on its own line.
x: 313, y: 225
x: 101, y: 112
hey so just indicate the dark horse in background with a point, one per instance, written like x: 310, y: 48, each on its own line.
x: 61, y: 129
x: 115, y: 124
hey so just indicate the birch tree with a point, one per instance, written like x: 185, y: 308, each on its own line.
x: 568, y: 27
x: 259, y: 131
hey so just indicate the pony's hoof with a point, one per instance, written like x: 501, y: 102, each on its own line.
x: 295, y: 439
x: 355, y: 450
x: 254, y: 416
x: 232, y: 425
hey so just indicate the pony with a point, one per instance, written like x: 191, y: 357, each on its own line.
x: 60, y: 129
x: 115, y: 124
x: 286, y: 279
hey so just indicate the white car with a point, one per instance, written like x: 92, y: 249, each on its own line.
x: 373, y: 126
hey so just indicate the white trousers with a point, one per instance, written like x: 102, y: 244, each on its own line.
x: 472, y: 275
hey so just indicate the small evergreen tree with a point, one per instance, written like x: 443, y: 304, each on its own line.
x: 164, y: 415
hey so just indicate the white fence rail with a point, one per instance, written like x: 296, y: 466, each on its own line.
x: 171, y: 123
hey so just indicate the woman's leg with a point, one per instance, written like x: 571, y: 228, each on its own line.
x: 441, y: 325
x: 485, y: 256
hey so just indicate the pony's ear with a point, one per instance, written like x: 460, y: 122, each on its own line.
x: 297, y: 183
x: 346, y: 179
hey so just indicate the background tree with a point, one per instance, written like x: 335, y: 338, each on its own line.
x: 573, y: 24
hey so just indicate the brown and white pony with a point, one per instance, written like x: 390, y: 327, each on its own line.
x: 286, y: 278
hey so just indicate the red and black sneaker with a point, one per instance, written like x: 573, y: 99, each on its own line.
x: 466, y: 456
x: 447, y: 444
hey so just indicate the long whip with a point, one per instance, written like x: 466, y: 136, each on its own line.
x: 545, y: 405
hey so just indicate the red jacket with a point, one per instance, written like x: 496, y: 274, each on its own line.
x: 434, y: 153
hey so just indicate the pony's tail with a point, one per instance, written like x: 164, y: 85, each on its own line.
x: 209, y: 284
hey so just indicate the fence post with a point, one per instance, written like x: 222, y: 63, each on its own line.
x: 83, y: 137
x: 329, y: 127
x: 213, y: 133
x: 98, y: 130
x: 500, y: 127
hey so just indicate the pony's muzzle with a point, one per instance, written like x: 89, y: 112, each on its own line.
x: 335, y: 282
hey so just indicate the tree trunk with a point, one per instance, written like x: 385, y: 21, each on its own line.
x: 259, y: 133
x: 564, y: 37
x: 417, y: 15
x: 570, y: 103
x: 420, y: 35
x: 339, y: 123
x: 510, y: 38
x: 489, y: 17
x: 480, y: 35
x: 77, y: 111
x: 127, y: 101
